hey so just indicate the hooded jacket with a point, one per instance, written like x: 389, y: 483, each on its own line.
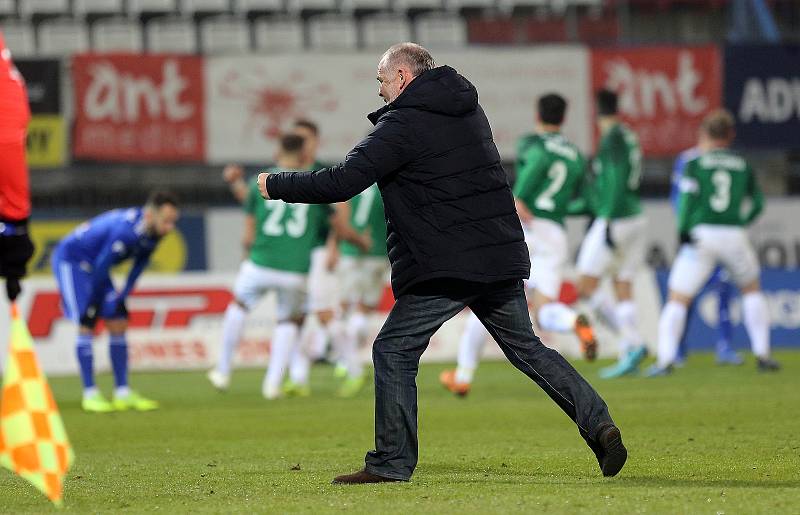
x: 449, y: 209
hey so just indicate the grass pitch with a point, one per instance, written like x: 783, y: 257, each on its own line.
x: 706, y: 440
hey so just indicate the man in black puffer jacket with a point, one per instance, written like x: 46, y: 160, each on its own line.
x: 454, y: 241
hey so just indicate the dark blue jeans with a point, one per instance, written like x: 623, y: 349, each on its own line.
x: 416, y: 315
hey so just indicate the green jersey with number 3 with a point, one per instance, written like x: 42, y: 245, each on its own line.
x: 285, y: 233
x: 618, y: 172
x: 713, y: 189
x: 549, y: 171
x: 366, y: 212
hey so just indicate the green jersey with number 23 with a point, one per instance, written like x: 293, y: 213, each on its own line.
x: 285, y: 233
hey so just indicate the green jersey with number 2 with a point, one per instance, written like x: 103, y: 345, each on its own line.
x: 366, y: 212
x: 549, y: 170
x: 713, y: 189
x: 285, y: 233
x: 618, y: 172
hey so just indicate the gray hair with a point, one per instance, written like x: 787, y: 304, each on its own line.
x: 410, y: 54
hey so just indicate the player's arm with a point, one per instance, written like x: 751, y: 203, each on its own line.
x: 757, y: 197
x: 101, y: 269
x: 386, y: 149
x: 136, y: 270
x: 677, y: 173
x: 529, y: 176
x: 249, y: 206
x: 689, y: 189
x: 249, y: 235
x: 343, y: 231
x: 579, y: 205
x: 233, y: 175
x: 331, y: 252
x: 613, y: 163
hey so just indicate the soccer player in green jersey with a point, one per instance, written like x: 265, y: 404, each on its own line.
x: 615, y: 242
x: 364, y: 274
x: 550, y: 171
x: 711, y: 224
x: 280, y: 238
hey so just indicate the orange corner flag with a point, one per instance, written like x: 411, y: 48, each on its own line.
x: 33, y: 442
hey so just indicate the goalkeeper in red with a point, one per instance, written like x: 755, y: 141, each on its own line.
x: 712, y: 230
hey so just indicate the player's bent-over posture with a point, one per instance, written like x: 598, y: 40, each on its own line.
x: 454, y: 241
x: 550, y: 171
x: 712, y: 231
x: 81, y: 263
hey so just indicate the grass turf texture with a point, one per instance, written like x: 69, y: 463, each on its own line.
x: 706, y: 440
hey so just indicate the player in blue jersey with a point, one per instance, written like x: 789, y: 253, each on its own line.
x: 725, y: 354
x: 82, y: 262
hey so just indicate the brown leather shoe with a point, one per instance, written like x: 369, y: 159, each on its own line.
x: 611, y: 453
x: 361, y: 477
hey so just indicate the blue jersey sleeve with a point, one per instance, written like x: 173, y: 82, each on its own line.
x: 112, y: 251
x: 138, y: 267
x: 677, y: 173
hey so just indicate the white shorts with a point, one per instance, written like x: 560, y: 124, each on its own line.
x: 364, y: 278
x: 547, y: 244
x: 323, y: 284
x: 597, y: 259
x: 254, y: 281
x: 714, y: 244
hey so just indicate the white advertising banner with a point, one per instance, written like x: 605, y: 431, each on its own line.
x: 251, y: 100
x: 176, y: 324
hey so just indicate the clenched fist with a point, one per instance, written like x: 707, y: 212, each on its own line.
x: 262, y: 184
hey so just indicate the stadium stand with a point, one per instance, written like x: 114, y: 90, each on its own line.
x: 201, y: 8
x: 43, y: 8
x: 89, y: 9
x: 413, y: 7
x: 278, y: 34
x: 171, y: 34
x: 62, y: 37
x: 306, y: 8
x: 116, y: 35
x: 8, y: 8
x: 382, y: 30
x: 224, y: 34
x: 360, y: 8
x: 20, y: 37
x: 254, y: 8
x: 440, y: 30
x: 333, y: 32
x: 147, y: 8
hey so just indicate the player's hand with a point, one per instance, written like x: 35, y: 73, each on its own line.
x: 332, y: 258
x: 365, y: 241
x: 262, y: 184
x: 232, y: 173
x: 523, y: 212
x: 13, y: 288
x: 89, y: 318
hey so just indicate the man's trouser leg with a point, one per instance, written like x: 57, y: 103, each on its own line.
x: 402, y: 340
x: 504, y: 312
